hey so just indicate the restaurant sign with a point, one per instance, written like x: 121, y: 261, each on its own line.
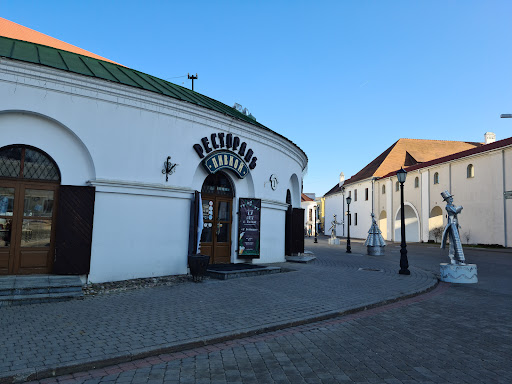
x: 224, y: 159
x: 249, y: 220
x: 222, y: 150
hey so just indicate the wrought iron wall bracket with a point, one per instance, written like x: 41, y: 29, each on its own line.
x: 168, y: 168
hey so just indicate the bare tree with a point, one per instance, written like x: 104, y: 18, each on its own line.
x: 467, y: 236
x: 436, y: 233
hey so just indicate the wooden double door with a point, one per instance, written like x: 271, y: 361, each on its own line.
x: 27, y: 226
x: 217, y: 226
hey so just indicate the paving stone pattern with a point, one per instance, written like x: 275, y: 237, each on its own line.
x: 454, y: 334
x: 39, y: 337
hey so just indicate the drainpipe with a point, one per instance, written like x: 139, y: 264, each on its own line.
x: 343, y: 213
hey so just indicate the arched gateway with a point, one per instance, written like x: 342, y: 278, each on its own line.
x: 217, y: 204
x: 29, y: 183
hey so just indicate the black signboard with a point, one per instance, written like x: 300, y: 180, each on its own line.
x: 249, y: 219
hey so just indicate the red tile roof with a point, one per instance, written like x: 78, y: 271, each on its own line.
x: 19, y: 32
x: 406, y: 152
x: 304, y: 197
x: 455, y: 156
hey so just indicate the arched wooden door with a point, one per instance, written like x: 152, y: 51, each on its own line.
x: 217, y: 205
x: 29, y: 183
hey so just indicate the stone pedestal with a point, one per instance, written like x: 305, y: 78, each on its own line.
x: 334, y: 241
x: 456, y: 273
x: 375, y: 251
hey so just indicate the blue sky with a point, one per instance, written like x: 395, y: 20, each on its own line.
x: 341, y: 79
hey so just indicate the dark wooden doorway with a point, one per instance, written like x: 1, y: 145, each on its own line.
x: 217, y: 205
x: 29, y: 184
x: 294, y: 231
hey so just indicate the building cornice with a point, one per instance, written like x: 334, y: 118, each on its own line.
x: 46, y: 78
x: 137, y: 188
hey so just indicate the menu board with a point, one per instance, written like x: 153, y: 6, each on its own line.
x: 249, y: 219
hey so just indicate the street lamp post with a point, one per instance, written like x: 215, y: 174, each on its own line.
x: 404, y: 263
x: 316, y: 208
x: 349, y: 200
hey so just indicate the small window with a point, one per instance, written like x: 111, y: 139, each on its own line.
x: 397, y: 186
x: 350, y: 194
x: 436, y: 178
x: 383, y: 189
x: 470, y: 171
x: 355, y: 219
x: 417, y: 182
x: 366, y: 193
x: 355, y: 194
x: 310, y: 215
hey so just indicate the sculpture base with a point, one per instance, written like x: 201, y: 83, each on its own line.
x: 333, y: 241
x: 456, y: 273
x: 375, y: 251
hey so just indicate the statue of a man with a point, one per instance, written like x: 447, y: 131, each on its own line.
x: 333, y: 227
x: 456, y: 253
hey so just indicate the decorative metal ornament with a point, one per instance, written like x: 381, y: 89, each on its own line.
x: 273, y: 182
x: 169, y: 168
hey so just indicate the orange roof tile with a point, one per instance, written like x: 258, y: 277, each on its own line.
x: 19, y: 32
x: 407, y: 152
x: 459, y: 155
x: 304, y: 197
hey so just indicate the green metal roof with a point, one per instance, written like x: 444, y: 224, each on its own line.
x: 83, y: 65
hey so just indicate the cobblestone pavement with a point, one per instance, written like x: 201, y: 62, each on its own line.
x: 453, y: 334
x: 413, y: 340
x: 39, y: 339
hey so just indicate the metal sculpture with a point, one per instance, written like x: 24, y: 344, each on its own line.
x: 451, y: 231
x: 333, y: 227
x: 375, y: 242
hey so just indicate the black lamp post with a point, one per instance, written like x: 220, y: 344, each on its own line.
x: 404, y: 263
x: 316, y: 240
x: 349, y: 200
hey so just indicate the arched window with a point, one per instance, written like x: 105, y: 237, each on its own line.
x: 470, y: 173
x: 416, y: 182
x: 217, y: 184
x: 436, y: 178
x: 397, y: 186
x: 383, y: 189
x: 23, y: 162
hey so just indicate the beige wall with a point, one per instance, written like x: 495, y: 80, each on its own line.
x: 481, y: 197
x: 486, y: 214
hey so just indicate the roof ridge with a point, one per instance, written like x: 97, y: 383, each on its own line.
x: 446, y: 141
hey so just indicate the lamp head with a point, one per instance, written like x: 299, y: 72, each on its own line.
x: 401, y: 174
x: 349, y: 200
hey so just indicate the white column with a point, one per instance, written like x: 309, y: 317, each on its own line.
x: 389, y: 210
x: 425, y: 204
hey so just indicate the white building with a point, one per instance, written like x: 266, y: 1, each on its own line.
x: 83, y: 145
x: 310, y: 206
x: 478, y: 177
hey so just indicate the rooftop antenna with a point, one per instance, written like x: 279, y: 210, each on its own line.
x: 192, y: 78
